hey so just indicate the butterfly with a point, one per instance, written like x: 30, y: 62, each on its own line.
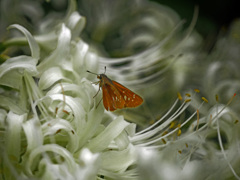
x: 116, y: 96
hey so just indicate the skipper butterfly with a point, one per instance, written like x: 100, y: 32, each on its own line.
x: 116, y: 96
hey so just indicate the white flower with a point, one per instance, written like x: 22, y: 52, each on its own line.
x: 51, y: 127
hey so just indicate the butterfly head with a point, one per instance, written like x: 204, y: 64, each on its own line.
x: 101, y: 76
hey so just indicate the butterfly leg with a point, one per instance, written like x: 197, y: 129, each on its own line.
x: 97, y: 92
x: 98, y: 103
x: 96, y: 83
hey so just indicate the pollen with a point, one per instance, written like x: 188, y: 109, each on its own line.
x: 179, y: 96
x: 204, y: 99
x: 125, y: 97
x: 187, y: 100
x: 197, y: 90
x: 179, y: 132
x: 172, y: 125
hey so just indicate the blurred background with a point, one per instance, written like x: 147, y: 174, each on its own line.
x: 213, y: 15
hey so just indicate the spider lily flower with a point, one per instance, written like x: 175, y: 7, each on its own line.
x: 51, y: 127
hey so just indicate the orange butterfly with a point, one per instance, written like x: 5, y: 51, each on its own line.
x: 115, y: 95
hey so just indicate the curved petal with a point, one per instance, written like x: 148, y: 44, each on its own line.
x: 113, y: 130
x: 35, y: 51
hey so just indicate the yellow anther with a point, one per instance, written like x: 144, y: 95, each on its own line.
x: 197, y: 90
x: 179, y: 96
x: 179, y: 132
x: 187, y: 100
x: 172, y: 125
x: 164, y: 142
x: 204, y: 99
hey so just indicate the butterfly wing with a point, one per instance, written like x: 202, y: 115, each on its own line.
x: 130, y: 98
x: 112, y: 99
x: 116, y: 96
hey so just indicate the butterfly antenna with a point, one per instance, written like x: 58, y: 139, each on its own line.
x: 92, y: 73
x: 105, y: 69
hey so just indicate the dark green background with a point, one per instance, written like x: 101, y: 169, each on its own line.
x: 213, y: 14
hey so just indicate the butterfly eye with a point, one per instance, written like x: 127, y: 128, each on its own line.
x: 99, y: 77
